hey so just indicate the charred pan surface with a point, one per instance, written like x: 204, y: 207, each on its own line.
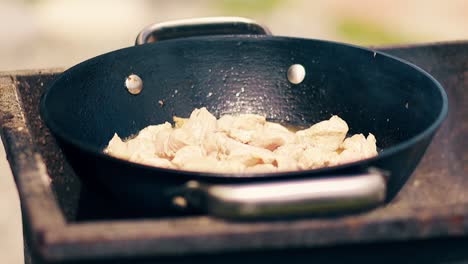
x: 432, y: 204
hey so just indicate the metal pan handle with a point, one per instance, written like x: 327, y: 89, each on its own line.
x: 297, y: 197
x: 199, y: 27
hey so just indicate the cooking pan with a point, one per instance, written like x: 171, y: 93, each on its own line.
x: 234, y: 65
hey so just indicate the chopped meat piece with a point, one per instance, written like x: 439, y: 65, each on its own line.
x: 200, y: 122
x: 294, y: 151
x: 199, y: 164
x: 117, y: 148
x: 261, y: 168
x: 211, y: 164
x: 243, y: 136
x: 186, y: 154
x: 241, y: 144
x: 176, y: 140
x: 245, y: 154
x: 326, y: 134
x: 153, y: 161
x: 286, y: 163
x: 357, y: 148
x: 316, y: 157
x: 150, y: 132
x: 179, y: 121
x: 144, y: 142
x: 271, y: 136
x: 225, y: 123
x: 241, y: 127
x: 192, y: 131
x: 229, y: 166
x: 212, y: 143
x: 161, y: 143
x: 140, y: 147
x: 248, y: 121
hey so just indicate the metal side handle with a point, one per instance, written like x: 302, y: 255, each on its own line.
x: 297, y: 197
x: 199, y: 27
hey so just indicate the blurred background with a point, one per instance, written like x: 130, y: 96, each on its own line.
x: 54, y: 33
x: 60, y: 33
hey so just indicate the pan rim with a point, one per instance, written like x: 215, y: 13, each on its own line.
x: 93, y: 150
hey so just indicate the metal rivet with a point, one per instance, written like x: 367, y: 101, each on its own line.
x: 134, y: 84
x: 296, y: 73
x: 179, y: 201
x: 192, y: 184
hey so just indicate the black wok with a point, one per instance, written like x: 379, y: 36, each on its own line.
x: 375, y: 93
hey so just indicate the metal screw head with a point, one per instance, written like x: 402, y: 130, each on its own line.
x: 296, y: 73
x: 192, y: 184
x: 179, y: 202
x: 134, y: 84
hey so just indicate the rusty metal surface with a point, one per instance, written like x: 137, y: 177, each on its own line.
x: 65, y: 183
x: 434, y: 202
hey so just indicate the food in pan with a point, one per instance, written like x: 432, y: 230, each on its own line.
x: 245, y: 143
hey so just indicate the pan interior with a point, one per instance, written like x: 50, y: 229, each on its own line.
x: 372, y: 92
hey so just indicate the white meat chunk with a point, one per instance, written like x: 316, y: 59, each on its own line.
x: 357, y: 148
x: 191, y: 132
x: 271, y: 136
x: 294, y: 151
x: 316, y: 157
x: 152, y: 160
x: 261, y: 168
x: 140, y: 149
x: 286, y: 163
x: 186, y: 154
x: 242, y: 144
x: 211, y: 164
x: 179, y: 121
x: 242, y: 127
x: 225, y: 123
x: 229, y: 166
x: 210, y: 144
x: 232, y: 150
x: 151, y: 132
x: 328, y: 134
x: 142, y: 144
x: 161, y: 143
x: 200, y: 122
x: 199, y: 164
x: 117, y: 148
x: 248, y: 121
x: 176, y: 140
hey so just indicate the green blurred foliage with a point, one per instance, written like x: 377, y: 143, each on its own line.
x: 240, y: 7
x: 364, y: 32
